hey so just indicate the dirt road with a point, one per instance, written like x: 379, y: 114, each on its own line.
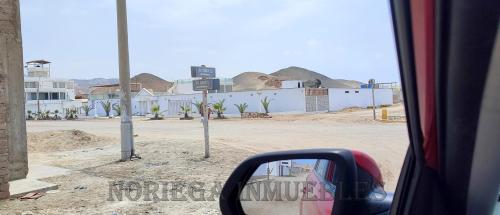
x: 172, y: 150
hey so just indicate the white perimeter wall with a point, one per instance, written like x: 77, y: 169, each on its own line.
x: 100, y: 111
x: 339, y: 99
x: 51, y: 105
x: 282, y: 100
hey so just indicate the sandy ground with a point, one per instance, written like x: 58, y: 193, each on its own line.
x: 172, y: 150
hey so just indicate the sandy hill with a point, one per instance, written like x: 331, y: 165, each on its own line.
x: 152, y: 82
x: 255, y: 81
x: 260, y: 81
x: 298, y: 73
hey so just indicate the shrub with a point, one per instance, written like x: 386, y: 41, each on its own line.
x: 155, y: 109
x: 199, y: 107
x: 118, y: 109
x: 219, y: 107
x: 265, y: 103
x: 71, y: 114
x: 106, y: 106
x: 87, y: 108
x: 241, y: 108
x: 186, y: 109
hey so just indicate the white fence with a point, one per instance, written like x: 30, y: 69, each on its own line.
x: 282, y: 101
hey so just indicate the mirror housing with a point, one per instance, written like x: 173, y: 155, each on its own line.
x: 350, y: 198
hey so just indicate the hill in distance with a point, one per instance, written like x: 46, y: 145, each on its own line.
x: 152, y: 82
x: 261, y: 81
x: 147, y: 80
x: 82, y: 85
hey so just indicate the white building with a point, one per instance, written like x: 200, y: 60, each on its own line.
x: 275, y: 168
x: 43, y: 93
x: 288, y: 84
x: 185, y: 86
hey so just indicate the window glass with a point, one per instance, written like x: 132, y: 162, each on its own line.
x: 44, y: 96
x: 54, y: 96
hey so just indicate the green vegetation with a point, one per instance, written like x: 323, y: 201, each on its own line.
x: 199, y: 107
x: 106, y: 106
x: 155, y: 109
x: 87, y: 108
x: 118, y: 109
x: 219, y: 107
x: 186, y: 109
x: 71, y: 113
x: 265, y: 103
x: 241, y: 108
x: 29, y: 115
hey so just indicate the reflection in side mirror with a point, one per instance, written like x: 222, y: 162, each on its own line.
x: 302, y: 186
x: 312, y: 181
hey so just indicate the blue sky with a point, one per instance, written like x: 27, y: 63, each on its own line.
x: 341, y: 39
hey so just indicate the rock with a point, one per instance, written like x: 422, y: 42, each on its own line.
x: 255, y: 115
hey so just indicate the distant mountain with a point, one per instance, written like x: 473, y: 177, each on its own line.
x: 261, y: 81
x: 82, y: 85
x: 152, y: 82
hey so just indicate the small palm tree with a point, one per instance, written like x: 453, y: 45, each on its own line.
x: 265, y: 103
x: 199, y: 107
x: 155, y: 109
x: 106, y: 106
x: 29, y: 114
x: 87, y: 108
x: 186, y: 109
x: 241, y: 108
x: 71, y: 113
x: 118, y: 109
x: 55, y: 114
x: 219, y: 107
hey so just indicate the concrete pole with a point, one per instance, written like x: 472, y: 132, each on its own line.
x: 13, y: 148
x: 373, y: 102
x: 127, y: 135
x: 205, y: 122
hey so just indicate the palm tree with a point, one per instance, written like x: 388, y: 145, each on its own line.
x: 219, y: 107
x: 71, y: 113
x: 118, y: 109
x: 87, y: 108
x: 199, y: 107
x: 241, y: 108
x: 106, y: 106
x: 29, y: 114
x: 265, y: 103
x: 186, y: 109
x: 155, y: 109
x: 55, y: 114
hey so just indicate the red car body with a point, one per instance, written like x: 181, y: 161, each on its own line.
x: 319, y: 190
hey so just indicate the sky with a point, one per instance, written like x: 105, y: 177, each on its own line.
x: 340, y: 39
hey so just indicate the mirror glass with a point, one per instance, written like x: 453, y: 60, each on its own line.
x: 304, y: 186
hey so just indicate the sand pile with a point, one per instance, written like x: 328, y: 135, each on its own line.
x: 61, y: 140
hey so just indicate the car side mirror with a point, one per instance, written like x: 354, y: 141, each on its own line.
x: 324, y: 181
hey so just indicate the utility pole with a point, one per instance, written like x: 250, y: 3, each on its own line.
x: 38, y: 96
x: 206, y: 83
x: 371, y: 83
x: 127, y: 136
x: 205, y: 122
